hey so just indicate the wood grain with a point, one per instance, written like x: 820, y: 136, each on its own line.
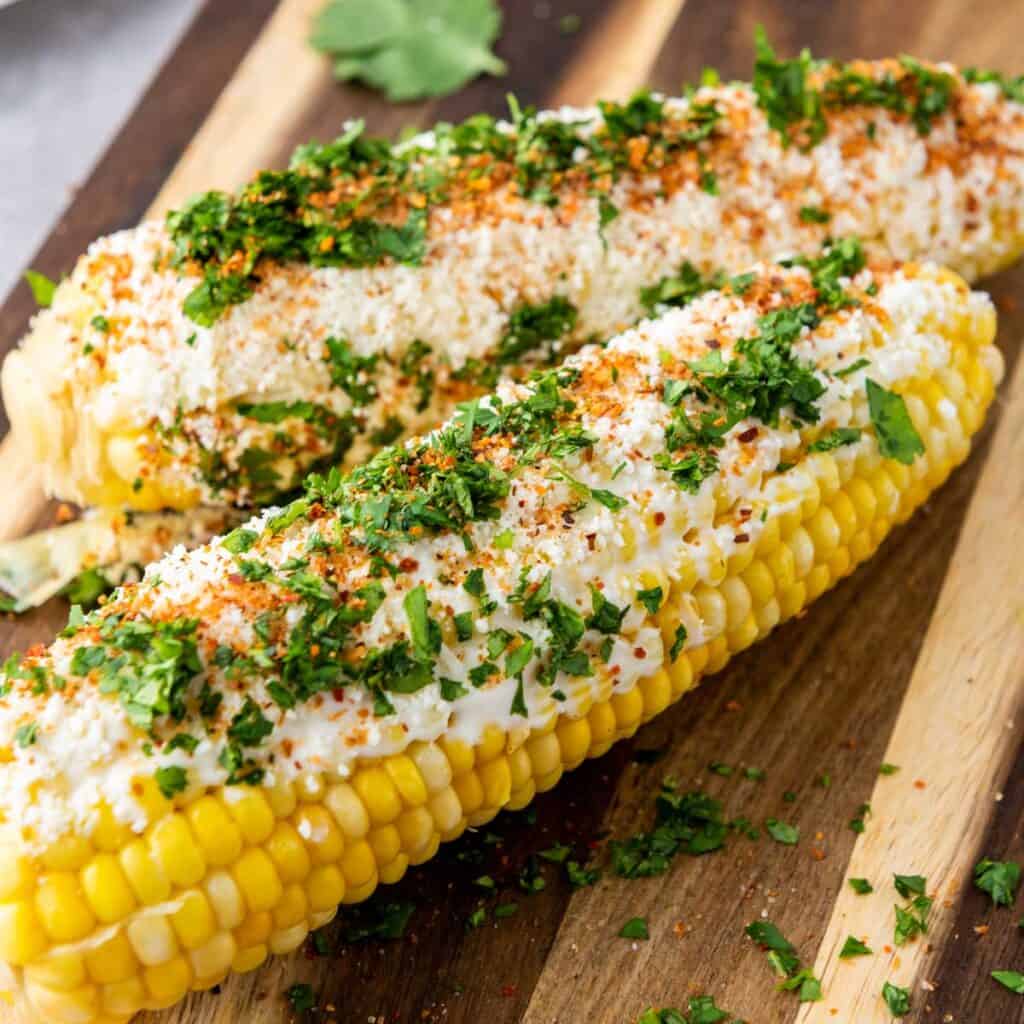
x: 965, y: 697
x: 833, y: 694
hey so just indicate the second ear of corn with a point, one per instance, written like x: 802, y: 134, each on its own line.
x: 126, y: 401
x: 116, y: 915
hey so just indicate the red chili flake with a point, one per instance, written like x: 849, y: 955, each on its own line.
x: 747, y: 435
x: 235, y: 577
x: 508, y: 991
x: 338, y: 693
x: 920, y: 784
x: 639, y: 652
x: 742, y: 538
x: 659, y: 518
x: 713, y: 343
x: 408, y: 565
x: 733, y: 705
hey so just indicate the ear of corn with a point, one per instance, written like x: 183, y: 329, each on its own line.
x: 109, y: 920
x: 127, y: 401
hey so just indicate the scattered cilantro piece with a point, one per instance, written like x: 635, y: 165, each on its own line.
x: 835, y: 439
x: 782, y: 955
x: 301, y: 998
x: 635, y: 928
x: 814, y: 215
x: 888, y: 769
x: 680, y: 290
x: 42, y: 288
x: 853, y: 947
x: 897, y: 437
x: 689, y: 823
x: 26, y: 735
x: 651, y: 599
x: 678, y: 642
x: 910, y: 885
x: 856, y: 365
x: 171, y: 779
x: 896, y: 999
x: 754, y: 774
x: 999, y: 879
x: 788, y: 835
x: 861, y: 886
x: 477, y: 918
x: 857, y: 821
x: 377, y: 920
x: 409, y: 50
x: 720, y: 768
x: 579, y: 876
x: 911, y: 920
x: 503, y: 910
x: 1013, y: 980
x: 556, y: 854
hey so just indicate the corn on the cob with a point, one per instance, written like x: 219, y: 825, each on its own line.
x: 360, y: 294
x: 269, y: 726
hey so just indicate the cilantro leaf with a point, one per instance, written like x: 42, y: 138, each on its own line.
x: 301, y: 998
x: 999, y: 879
x: 788, y: 835
x: 42, y: 288
x: 635, y: 928
x: 861, y: 886
x: 410, y: 50
x: 171, y: 779
x: 1013, y: 980
x: 897, y: 437
x: 897, y: 999
x: 853, y: 947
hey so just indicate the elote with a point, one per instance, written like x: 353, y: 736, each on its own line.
x: 263, y: 728
x: 356, y: 297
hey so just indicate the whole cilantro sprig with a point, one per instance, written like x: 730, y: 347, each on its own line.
x: 410, y: 49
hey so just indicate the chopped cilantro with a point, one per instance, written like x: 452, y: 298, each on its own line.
x: 301, y: 998
x: 1013, y: 980
x: 377, y: 920
x: 896, y: 999
x: 814, y: 215
x: 835, y: 439
x: 781, y: 832
x: 678, y: 643
x: 861, y: 886
x: 42, y: 288
x: 888, y: 769
x: 171, y: 779
x: 26, y: 735
x: 651, y: 599
x: 897, y: 437
x: 580, y: 877
x: 681, y: 289
x: 635, y: 928
x: 910, y: 885
x: 999, y: 879
x: 426, y: 633
x: 853, y: 947
x: 857, y: 364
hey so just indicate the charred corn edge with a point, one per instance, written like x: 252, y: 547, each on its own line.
x: 97, y: 929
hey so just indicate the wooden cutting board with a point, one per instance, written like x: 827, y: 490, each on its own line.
x: 917, y: 660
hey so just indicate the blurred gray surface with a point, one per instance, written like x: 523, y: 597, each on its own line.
x: 70, y: 72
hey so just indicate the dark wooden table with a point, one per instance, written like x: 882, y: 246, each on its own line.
x: 820, y: 698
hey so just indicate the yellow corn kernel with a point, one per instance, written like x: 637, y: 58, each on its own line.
x: 378, y: 793
x: 469, y: 791
x: 220, y: 839
x: 112, y: 961
x: 173, y: 844
x: 249, y: 959
x: 254, y: 930
x: 602, y: 727
x: 358, y: 865
x: 799, y: 542
x: 287, y: 940
x: 257, y: 878
x: 496, y: 781
x: 61, y: 971
x: 311, y: 787
x: 348, y: 810
x: 656, y: 691
x: 434, y: 768
x: 385, y: 843
x: 226, y: 899
x: 251, y: 812
x: 62, y: 908
x: 69, y: 853
x: 123, y: 998
x: 415, y: 827
x: 193, y: 921
x: 288, y: 852
x: 628, y: 707
x: 394, y: 871
x: 107, y: 889
x: 406, y: 777
x: 292, y: 908
x: 446, y: 810
x: 460, y: 755
x: 110, y: 835
x: 145, y: 873
x: 167, y: 982
x: 282, y: 798
x: 325, y: 888
x: 17, y: 876
x: 322, y: 837
x: 76, y: 1007
x: 152, y: 939
x: 212, y: 961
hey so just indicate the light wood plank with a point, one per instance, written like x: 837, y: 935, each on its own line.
x: 272, y: 88
x: 618, y: 57
x: 959, y: 726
